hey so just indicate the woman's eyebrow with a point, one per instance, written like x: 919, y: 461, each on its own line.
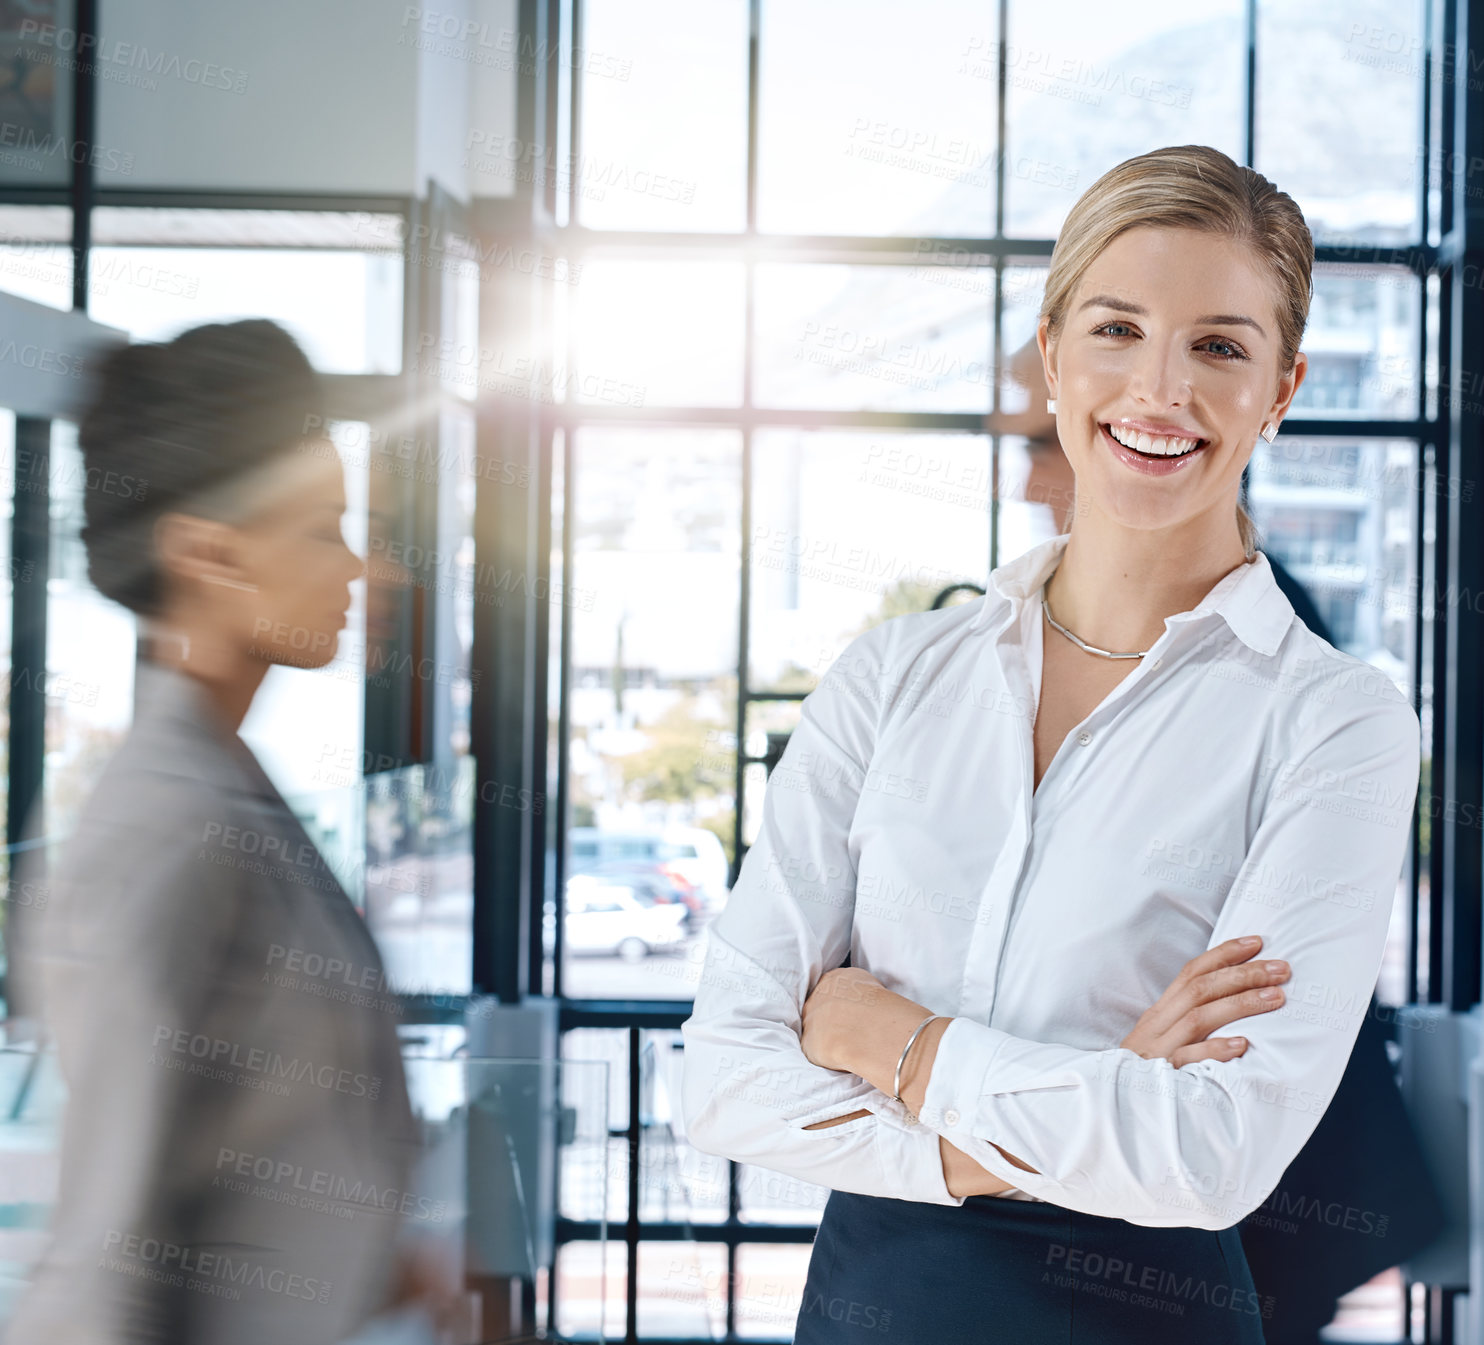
x: 1124, y: 306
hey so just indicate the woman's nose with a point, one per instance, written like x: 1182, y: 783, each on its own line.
x: 1162, y: 377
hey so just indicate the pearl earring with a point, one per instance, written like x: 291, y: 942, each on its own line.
x: 1051, y: 405
x: 1270, y: 431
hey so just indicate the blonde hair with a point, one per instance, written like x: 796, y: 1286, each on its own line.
x: 1191, y: 187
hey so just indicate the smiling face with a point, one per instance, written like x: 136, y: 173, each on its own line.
x: 1165, y: 370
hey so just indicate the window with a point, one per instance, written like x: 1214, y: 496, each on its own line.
x: 343, y: 307
x: 732, y: 510
x: 89, y: 650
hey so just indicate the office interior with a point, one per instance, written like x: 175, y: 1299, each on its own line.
x: 662, y: 341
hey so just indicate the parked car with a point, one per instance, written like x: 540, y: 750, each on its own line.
x: 656, y: 884
x: 608, y: 917
x: 690, y: 853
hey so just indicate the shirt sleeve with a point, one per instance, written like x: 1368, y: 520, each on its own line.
x: 1112, y: 1134
x: 748, y: 1091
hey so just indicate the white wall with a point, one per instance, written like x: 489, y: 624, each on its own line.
x: 467, y: 83
x: 491, y: 104
x: 355, y: 96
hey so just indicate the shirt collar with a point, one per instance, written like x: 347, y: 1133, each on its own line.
x: 1248, y: 599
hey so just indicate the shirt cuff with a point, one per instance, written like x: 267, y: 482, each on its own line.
x: 910, y: 1161
x: 958, y: 1100
x: 956, y: 1086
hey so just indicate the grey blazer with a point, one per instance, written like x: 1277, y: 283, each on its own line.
x: 237, y: 1141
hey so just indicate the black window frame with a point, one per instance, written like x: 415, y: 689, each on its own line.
x: 514, y: 886
x: 1447, y: 969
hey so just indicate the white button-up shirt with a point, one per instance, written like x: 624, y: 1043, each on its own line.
x: 1245, y: 778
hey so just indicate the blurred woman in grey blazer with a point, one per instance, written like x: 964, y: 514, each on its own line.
x: 238, y: 1144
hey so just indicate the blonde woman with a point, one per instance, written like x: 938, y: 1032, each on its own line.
x: 1123, y: 759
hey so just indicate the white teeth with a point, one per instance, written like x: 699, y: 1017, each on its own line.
x: 1164, y: 448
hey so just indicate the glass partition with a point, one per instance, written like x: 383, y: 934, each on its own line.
x: 499, y: 1140
x: 31, y: 1099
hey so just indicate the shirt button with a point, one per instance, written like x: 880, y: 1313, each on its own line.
x: 1084, y: 737
x: 950, y: 1117
x: 1156, y: 663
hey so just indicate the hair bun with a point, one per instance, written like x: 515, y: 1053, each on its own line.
x: 178, y: 418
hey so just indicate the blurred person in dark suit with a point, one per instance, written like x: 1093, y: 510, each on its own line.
x: 1358, y: 1199
x: 238, y: 1145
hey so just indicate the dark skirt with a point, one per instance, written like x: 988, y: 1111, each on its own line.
x: 1019, y: 1271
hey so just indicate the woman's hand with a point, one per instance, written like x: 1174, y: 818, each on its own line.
x: 847, y: 1005
x: 1214, y: 989
x: 834, y: 1012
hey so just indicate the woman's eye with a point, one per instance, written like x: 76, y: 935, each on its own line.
x: 1236, y: 351
x: 1222, y: 349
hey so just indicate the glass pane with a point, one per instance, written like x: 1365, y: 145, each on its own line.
x: 591, y: 1281
x: 595, y: 1183
x: 345, y: 308
x: 33, y: 1096
x: 641, y: 165
x: 180, y: 226
x: 768, y: 725
x: 451, y: 689
x: 1362, y: 343
x: 1428, y: 792
x: 678, y: 1184
x: 1376, y: 1310
x: 10, y: 576
x: 1341, y: 518
x: 851, y: 527
x: 1037, y: 492
x: 770, y: 1197
x: 754, y: 790
x: 35, y: 256
x: 652, y: 671
x: 1089, y: 85
x: 480, y: 1176
x: 659, y: 334
x: 682, y: 1290
x: 1036, y: 486
x: 419, y: 875
x: 38, y: 271
x: 460, y: 277
x: 555, y: 662
x: 871, y: 338
x: 1022, y: 288
x: 1339, y: 114
x: 770, y: 1292
x: 38, y: 53
x: 306, y: 725
x: 89, y: 650
x: 874, y: 123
